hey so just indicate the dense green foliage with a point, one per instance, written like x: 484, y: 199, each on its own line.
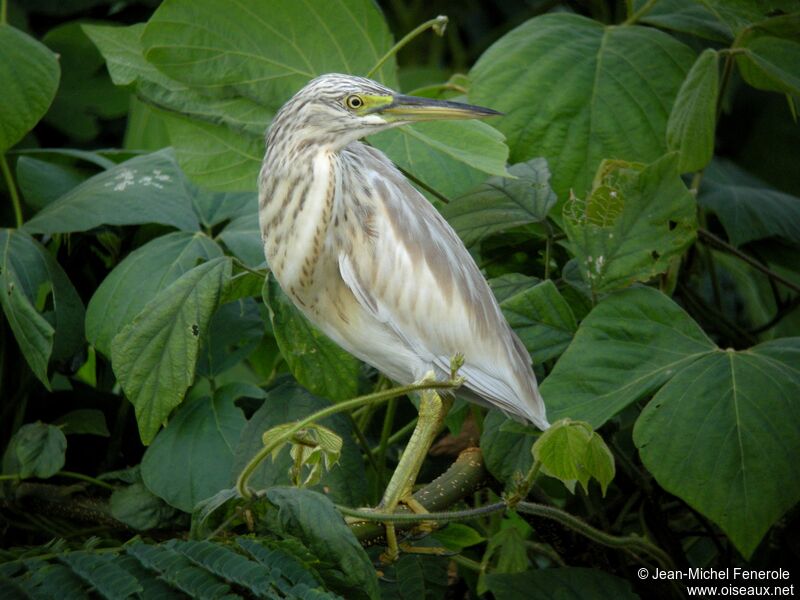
x: 636, y: 211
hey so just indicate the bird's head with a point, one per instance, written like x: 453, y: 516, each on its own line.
x: 337, y: 109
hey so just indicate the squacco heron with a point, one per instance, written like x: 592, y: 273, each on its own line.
x: 372, y: 263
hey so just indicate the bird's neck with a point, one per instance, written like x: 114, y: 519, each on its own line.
x: 296, y: 201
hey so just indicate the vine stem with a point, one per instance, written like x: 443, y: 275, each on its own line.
x: 3, y: 12
x: 438, y: 24
x: 383, y: 396
x: 12, y: 187
x: 629, y: 542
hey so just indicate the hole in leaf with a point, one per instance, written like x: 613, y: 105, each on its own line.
x: 655, y: 254
x: 672, y: 224
x: 195, y: 330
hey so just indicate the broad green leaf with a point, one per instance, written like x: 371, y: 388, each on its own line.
x: 145, y: 189
x: 510, y: 284
x: 542, y: 319
x: 566, y: 583
x: 39, y: 450
x: 217, y: 157
x: 235, y: 331
x: 686, y: 16
x: 139, y: 508
x: 242, y: 236
x: 315, y: 360
x: 449, y: 156
x: 457, y: 536
x: 509, y: 545
x: 85, y: 94
x: 312, y: 518
x: 737, y: 14
x: 214, y: 208
x: 571, y: 451
x: 507, y: 454
x: 154, y: 356
x: 722, y: 435
x: 632, y: 343
x: 502, y: 203
x: 139, y: 278
x: 264, y: 50
x: 29, y: 75
x: 748, y: 208
x: 770, y: 63
x: 145, y: 128
x: 191, y: 459
x: 285, y: 403
x: 691, y: 124
x: 122, y: 49
x: 718, y: 20
x: 564, y: 82
x: 83, y: 420
x: 633, y: 223
x: 415, y: 577
x: 41, y: 182
x: 40, y: 304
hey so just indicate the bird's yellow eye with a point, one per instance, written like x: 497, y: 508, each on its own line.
x: 354, y: 102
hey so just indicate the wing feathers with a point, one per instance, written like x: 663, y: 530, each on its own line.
x: 417, y: 278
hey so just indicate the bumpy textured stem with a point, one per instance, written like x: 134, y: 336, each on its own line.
x: 464, y: 476
x: 630, y: 543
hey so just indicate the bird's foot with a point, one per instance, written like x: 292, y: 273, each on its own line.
x: 393, y: 548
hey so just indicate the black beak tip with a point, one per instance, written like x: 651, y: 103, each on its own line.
x: 490, y: 112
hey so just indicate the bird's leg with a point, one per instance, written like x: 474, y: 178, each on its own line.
x: 432, y: 411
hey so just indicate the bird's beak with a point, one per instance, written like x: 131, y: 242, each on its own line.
x: 414, y: 108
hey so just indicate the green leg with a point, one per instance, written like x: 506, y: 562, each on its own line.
x: 432, y: 411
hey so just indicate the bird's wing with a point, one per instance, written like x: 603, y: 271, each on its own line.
x: 417, y: 277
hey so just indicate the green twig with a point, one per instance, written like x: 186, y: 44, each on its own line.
x: 4, y: 12
x: 386, y: 430
x: 463, y: 561
x: 400, y: 433
x: 363, y: 442
x: 87, y: 479
x: 438, y: 25
x: 727, y: 69
x: 438, y: 87
x: 709, y: 237
x: 548, y: 248
x: 12, y: 188
x: 244, y: 267
x: 779, y: 315
x: 648, y: 6
x: 247, y: 472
